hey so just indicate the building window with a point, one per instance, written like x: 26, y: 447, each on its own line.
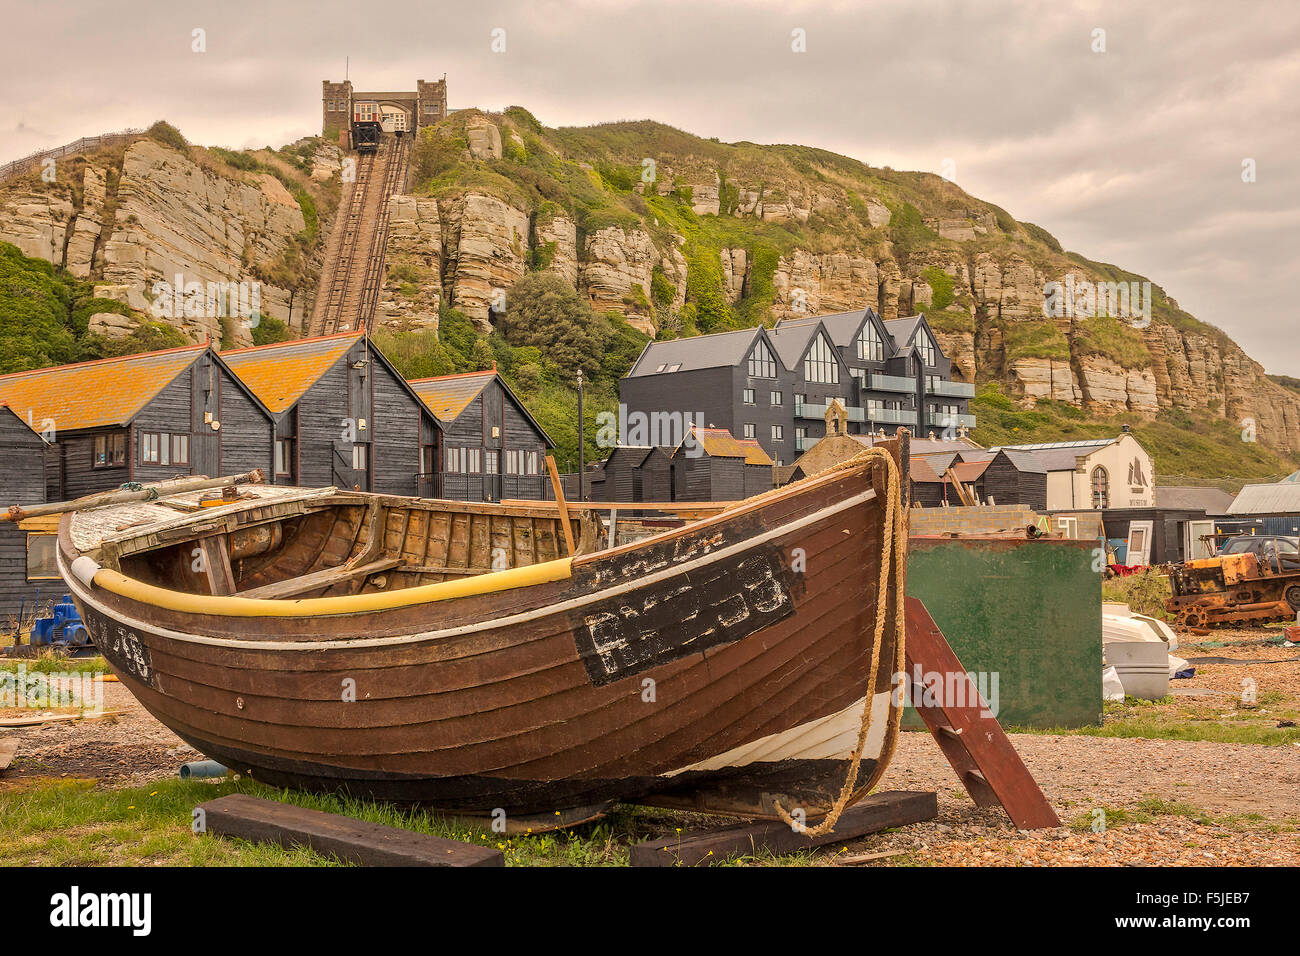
x: 871, y: 347
x: 162, y: 448
x: 453, y: 460
x: 929, y: 354
x: 474, y: 460
x: 284, y: 456
x: 778, y: 433
x: 41, y: 564
x: 778, y: 398
x: 800, y: 433
x: 491, y: 462
x: 109, y: 450
x: 820, y: 364
x: 426, y: 461
x: 359, y: 457
x: 1100, y: 487
x: 531, y: 465
x: 749, y: 430
x: 762, y: 364
x: 799, y: 399
x: 748, y: 396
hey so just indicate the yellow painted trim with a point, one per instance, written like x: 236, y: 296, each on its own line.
x: 234, y: 606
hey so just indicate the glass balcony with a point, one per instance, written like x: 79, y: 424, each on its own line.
x: 951, y: 389
x: 803, y: 444
x: 810, y: 410
x: 891, y: 383
x: 892, y: 416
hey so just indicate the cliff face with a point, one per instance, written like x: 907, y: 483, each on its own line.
x: 131, y: 218
x: 680, y: 235
x: 677, y: 235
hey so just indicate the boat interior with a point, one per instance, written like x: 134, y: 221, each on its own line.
x: 305, y: 543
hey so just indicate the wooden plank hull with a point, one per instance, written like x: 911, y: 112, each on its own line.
x: 732, y: 651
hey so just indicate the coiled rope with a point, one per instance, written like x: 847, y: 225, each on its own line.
x: 892, y: 558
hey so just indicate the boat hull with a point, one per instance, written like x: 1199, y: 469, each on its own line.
x: 715, y: 656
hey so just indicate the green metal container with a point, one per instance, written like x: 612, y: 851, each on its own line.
x: 1024, y: 616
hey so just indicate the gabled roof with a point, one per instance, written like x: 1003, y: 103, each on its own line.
x: 695, y: 352
x: 717, y: 443
x: 1280, y: 498
x: 635, y: 454
x: 447, y: 396
x: 842, y: 327
x: 1062, y: 455
x: 281, y: 373
x: 1213, y: 501
x: 968, y: 471
x: 95, y: 394
x: 792, y: 341
x: 901, y: 330
x: 1024, y: 461
x: 6, y: 410
x: 920, y: 470
x: 754, y: 454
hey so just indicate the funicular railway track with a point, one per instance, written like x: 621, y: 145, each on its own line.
x: 354, y: 263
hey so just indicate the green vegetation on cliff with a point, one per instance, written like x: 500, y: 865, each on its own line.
x: 1181, y: 445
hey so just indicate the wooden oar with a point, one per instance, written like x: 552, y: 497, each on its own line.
x: 17, y: 513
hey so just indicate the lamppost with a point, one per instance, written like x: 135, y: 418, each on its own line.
x: 582, y: 454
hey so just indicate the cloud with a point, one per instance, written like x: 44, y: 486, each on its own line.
x: 1131, y: 156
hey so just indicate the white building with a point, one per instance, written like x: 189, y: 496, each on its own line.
x: 1095, y: 474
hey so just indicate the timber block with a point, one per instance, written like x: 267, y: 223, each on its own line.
x: 356, y: 841
x: 871, y: 814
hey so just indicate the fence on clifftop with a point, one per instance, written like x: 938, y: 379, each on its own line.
x: 9, y: 170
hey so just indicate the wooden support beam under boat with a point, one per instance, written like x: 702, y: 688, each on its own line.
x: 880, y: 811
x: 560, y: 503
x: 332, y: 834
x: 319, y: 579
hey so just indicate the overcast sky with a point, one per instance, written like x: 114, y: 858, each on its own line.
x: 1133, y: 155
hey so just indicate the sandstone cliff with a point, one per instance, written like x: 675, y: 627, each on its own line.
x: 679, y: 235
x: 675, y: 234
x: 134, y: 217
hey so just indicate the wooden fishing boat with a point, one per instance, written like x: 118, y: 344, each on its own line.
x: 455, y: 655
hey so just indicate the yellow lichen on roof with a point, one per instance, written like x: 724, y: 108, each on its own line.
x: 280, y: 373
x: 754, y: 454
x: 719, y: 443
x: 449, y: 395
x: 93, y: 394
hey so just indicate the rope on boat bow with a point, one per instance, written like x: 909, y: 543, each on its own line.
x: 894, y: 546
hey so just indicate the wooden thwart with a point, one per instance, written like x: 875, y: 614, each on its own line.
x: 874, y: 813
x: 318, y: 579
x: 972, y: 740
x: 356, y: 841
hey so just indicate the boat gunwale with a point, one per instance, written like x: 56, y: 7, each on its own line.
x: 508, y: 579
x: 295, y: 609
